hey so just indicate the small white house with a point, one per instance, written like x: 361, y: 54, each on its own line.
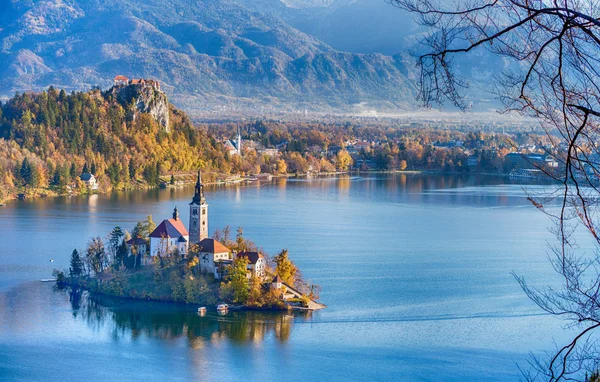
x: 89, y: 180
x: 256, y: 263
x: 170, y: 235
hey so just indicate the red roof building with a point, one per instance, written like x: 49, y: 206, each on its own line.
x: 212, y: 246
x: 170, y: 235
x: 121, y: 80
x: 170, y: 228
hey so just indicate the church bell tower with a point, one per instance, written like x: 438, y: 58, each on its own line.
x: 198, y: 214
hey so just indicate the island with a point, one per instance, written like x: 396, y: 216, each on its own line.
x: 169, y: 262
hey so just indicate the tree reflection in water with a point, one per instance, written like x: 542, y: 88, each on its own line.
x: 166, y: 321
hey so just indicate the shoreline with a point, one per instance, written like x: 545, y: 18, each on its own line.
x: 234, y: 180
x: 236, y: 308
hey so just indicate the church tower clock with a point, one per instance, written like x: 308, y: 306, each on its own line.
x: 198, y: 214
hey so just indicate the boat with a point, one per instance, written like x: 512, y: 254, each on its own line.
x: 48, y: 280
x: 202, y: 310
x: 2, y: 204
x: 222, y: 308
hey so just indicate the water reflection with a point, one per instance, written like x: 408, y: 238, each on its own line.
x: 127, y: 319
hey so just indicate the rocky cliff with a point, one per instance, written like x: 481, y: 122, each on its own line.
x: 144, y: 99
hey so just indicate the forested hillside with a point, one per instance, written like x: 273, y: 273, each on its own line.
x: 52, y: 137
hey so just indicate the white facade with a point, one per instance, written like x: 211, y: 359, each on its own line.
x: 257, y: 269
x: 160, y: 246
x: 198, y: 226
x: 209, y: 262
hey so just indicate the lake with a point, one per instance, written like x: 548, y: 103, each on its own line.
x: 415, y: 271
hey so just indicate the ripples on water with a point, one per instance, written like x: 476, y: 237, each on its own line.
x: 415, y: 271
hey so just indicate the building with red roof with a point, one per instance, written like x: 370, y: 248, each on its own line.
x: 169, y: 235
x: 121, y: 81
x: 213, y: 257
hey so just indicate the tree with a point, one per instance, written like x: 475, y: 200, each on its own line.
x: 73, y: 170
x: 172, y: 180
x: 255, y: 293
x: 77, y: 266
x: 285, y: 268
x: 554, y: 49
x: 121, y: 255
x: 281, y: 166
x: 144, y: 228
x: 95, y: 255
x: 25, y: 171
x: 236, y: 288
x: 403, y: 165
x: 114, y: 240
x: 343, y: 161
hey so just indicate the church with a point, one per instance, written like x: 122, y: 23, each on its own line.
x: 171, y: 234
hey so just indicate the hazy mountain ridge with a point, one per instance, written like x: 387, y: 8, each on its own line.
x: 214, y: 53
x: 376, y: 26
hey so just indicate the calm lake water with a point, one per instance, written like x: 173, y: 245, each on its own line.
x: 415, y: 271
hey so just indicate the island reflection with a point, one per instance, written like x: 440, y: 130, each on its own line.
x: 166, y: 321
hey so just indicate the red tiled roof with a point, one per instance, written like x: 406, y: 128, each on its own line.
x: 212, y: 246
x: 121, y: 78
x: 170, y: 228
x: 252, y: 256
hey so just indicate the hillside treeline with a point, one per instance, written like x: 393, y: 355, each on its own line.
x: 48, y: 139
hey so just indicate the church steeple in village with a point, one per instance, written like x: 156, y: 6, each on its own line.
x: 198, y: 227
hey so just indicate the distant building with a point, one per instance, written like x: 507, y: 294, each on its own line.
x: 89, y: 180
x: 143, y: 82
x: 277, y: 282
x: 531, y: 161
x: 213, y: 256
x: 256, y: 263
x: 269, y: 152
x: 230, y: 147
x: 234, y: 146
x: 137, y: 246
x: 121, y: 81
x: 170, y: 235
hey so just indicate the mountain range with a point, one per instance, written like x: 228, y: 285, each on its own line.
x: 221, y: 56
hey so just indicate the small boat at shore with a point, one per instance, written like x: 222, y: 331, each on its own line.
x: 48, y: 280
x: 222, y: 308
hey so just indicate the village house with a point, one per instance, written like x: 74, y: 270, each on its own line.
x: 170, y: 235
x: 89, y: 180
x: 256, y: 263
x: 138, y: 246
x: 213, y: 257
